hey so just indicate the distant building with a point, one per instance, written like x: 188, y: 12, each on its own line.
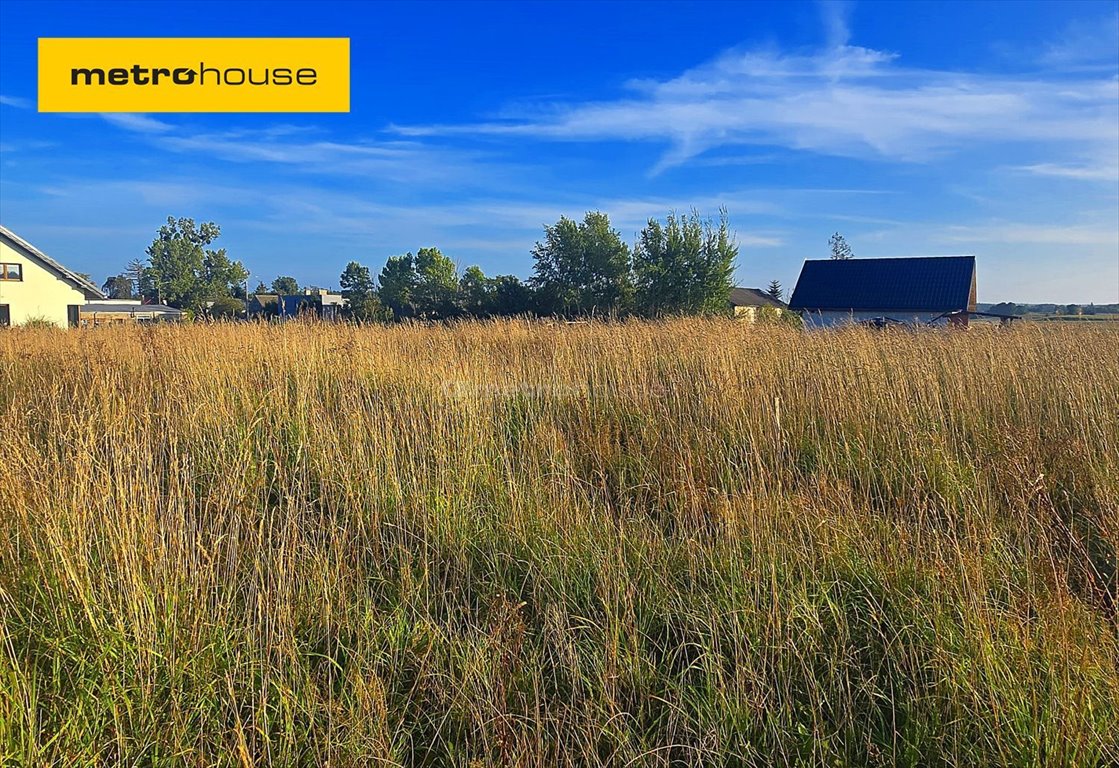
x: 319, y: 303
x: 36, y: 288
x: 109, y: 311
x: 882, y: 291
x: 745, y: 303
x: 262, y: 305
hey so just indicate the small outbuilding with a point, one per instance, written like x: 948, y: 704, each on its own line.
x: 111, y: 311
x: 912, y: 290
x: 745, y: 303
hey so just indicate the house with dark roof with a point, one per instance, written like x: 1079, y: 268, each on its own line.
x: 914, y: 290
x: 745, y: 303
x: 36, y: 288
x: 318, y: 303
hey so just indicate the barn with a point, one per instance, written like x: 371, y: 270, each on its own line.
x: 912, y: 290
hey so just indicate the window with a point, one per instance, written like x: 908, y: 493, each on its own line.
x: 5, y: 316
x: 10, y: 271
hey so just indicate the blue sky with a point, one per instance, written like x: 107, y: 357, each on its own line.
x: 912, y: 128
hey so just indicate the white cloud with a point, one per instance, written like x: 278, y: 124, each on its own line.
x: 298, y: 148
x: 834, y: 14
x: 136, y: 122
x: 844, y: 101
x: 246, y: 146
x: 1106, y: 170
x: 15, y: 101
x: 25, y: 146
x: 1102, y: 234
x: 1085, y: 43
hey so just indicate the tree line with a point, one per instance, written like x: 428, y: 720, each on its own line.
x: 681, y: 265
x: 580, y: 268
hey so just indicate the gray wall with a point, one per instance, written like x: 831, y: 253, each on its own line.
x: 833, y: 319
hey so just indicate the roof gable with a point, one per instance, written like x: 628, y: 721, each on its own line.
x: 921, y: 284
x: 262, y: 300
x: 16, y: 242
x: 753, y: 297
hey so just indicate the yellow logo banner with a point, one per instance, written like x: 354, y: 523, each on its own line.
x: 200, y: 74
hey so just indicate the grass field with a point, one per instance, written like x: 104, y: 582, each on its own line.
x: 688, y: 543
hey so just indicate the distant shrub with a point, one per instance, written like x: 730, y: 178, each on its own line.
x: 38, y: 321
x: 227, y: 308
x: 778, y: 316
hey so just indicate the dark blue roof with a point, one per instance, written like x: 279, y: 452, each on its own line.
x: 922, y: 284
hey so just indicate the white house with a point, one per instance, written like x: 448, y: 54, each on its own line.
x: 35, y: 287
x: 746, y: 303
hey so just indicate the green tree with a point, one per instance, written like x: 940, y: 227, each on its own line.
x: 512, y: 297
x: 839, y: 248
x: 175, y: 259
x: 183, y: 272
x: 148, y: 290
x: 285, y: 285
x: 583, y: 268
x: 370, y: 309
x: 477, y: 293
x: 136, y: 271
x: 362, y: 303
x: 221, y: 277
x: 118, y: 287
x: 436, y: 284
x: 356, y: 281
x: 684, y: 266
x: 774, y: 290
x: 227, y: 308
x: 397, y: 282
x: 260, y: 288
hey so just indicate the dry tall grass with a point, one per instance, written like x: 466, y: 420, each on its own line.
x: 513, y: 544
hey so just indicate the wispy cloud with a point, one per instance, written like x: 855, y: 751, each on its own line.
x: 137, y: 194
x: 1032, y: 232
x: 258, y: 146
x: 844, y: 101
x: 392, y: 157
x: 1085, y: 43
x: 136, y: 122
x: 15, y: 101
x: 306, y: 149
x: 348, y: 214
x: 25, y: 146
x: 834, y: 14
x: 323, y: 211
x: 1106, y: 169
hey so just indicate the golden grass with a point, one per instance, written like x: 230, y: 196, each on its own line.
x: 685, y: 543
